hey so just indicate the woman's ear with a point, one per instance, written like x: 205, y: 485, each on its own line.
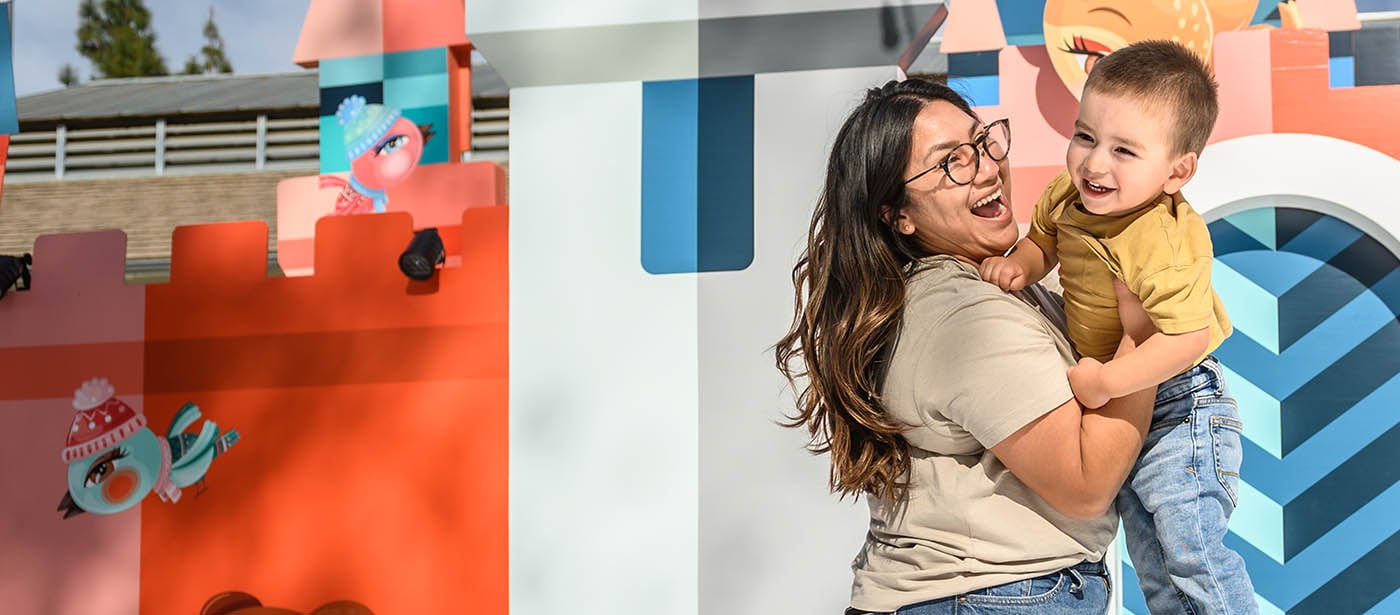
x: 896, y: 220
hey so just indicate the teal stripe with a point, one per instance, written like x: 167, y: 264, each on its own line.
x: 336, y: 72
x: 421, y: 91
x: 413, y: 63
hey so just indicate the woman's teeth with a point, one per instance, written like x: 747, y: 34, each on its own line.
x: 989, y: 207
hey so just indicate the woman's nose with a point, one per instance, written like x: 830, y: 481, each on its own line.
x: 987, y: 168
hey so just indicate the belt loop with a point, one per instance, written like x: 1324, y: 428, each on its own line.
x: 1076, y: 585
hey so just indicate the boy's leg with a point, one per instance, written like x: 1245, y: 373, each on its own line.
x: 1186, y: 482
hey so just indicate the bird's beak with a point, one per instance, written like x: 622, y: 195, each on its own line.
x: 68, y: 507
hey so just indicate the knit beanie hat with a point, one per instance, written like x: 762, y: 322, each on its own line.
x: 102, y: 421
x: 364, y: 124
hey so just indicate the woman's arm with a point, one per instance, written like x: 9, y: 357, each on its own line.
x: 1077, y: 459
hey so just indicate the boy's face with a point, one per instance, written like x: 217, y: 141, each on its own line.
x: 1122, y: 155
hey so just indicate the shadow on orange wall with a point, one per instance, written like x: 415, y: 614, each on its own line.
x: 373, y: 464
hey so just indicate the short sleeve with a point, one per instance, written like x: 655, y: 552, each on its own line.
x: 1043, y: 230
x: 1170, y: 269
x: 992, y: 367
x: 1179, y: 299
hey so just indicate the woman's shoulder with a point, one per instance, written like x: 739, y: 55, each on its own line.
x: 945, y: 287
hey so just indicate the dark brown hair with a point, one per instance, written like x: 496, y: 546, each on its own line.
x: 849, y: 285
x: 1166, y: 74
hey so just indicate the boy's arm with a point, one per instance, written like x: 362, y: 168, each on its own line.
x: 1152, y: 363
x: 1027, y: 264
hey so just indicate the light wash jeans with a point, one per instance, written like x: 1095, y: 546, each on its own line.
x: 1177, y: 501
x: 1082, y: 589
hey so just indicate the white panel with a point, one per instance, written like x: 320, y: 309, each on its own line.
x: 1349, y: 174
x: 507, y: 15
x: 603, y: 378
x: 773, y: 539
x: 710, y: 9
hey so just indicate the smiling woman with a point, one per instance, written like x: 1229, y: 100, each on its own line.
x: 979, y: 493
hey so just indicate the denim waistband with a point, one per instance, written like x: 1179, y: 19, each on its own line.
x: 1096, y: 568
x: 1191, y: 380
x: 1085, y: 567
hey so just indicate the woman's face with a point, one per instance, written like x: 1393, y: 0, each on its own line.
x: 971, y: 222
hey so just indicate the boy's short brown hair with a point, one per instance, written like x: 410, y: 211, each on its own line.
x: 1163, y: 73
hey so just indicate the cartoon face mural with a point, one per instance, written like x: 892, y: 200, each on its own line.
x: 383, y: 148
x: 1079, y: 32
x: 114, y: 460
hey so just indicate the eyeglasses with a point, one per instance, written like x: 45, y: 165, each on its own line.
x: 961, y: 164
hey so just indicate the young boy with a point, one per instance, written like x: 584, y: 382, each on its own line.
x: 1145, y: 116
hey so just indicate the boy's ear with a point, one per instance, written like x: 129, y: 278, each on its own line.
x: 1181, y: 172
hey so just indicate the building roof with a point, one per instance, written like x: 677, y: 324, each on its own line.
x: 146, y: 97
x: 175, y: 95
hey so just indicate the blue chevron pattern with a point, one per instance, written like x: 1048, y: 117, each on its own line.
x: 1315, y: 364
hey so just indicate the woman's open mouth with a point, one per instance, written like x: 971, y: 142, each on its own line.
x: 991, y: 206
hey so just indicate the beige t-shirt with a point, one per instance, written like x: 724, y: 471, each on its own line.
x: 972, y: 366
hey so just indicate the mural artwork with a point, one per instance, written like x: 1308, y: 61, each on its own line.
x: 383, y: 148
x: 115, y: 460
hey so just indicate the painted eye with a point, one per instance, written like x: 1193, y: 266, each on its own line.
x: 98, y: 473
x: 391, y: 145
x: 1087, y: 52
x: 102, y: 467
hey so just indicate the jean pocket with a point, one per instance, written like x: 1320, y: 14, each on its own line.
x: 1039, y: 590
x: 1225, y: 433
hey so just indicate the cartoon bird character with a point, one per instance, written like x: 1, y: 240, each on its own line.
x: 383, y: 147
x: 1079, y: 32
x: 114, y: 460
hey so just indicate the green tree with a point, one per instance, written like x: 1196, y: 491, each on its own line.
x: 116, y: 36
x: 68, y: 76
x: 211, y: 57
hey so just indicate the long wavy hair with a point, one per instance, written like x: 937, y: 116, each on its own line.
x: 850, y: 285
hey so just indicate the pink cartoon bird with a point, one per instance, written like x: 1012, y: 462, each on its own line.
x: 383, y: 147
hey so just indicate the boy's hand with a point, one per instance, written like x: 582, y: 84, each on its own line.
x: 1086, y: 379
x: 1004, y: 272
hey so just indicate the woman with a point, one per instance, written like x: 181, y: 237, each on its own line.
x: 940, y: 397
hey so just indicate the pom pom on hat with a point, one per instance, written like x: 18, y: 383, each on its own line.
x: 102, y: 421
x: 364, y: 124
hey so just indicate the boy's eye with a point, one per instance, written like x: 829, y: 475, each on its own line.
x: 1079, y: 136
x: 1126, y: 151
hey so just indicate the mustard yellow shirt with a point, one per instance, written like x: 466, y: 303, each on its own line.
x: 1162, y: 253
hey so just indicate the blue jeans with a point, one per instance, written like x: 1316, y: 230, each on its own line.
x: 1080, y: 589
x: 1177, y: 501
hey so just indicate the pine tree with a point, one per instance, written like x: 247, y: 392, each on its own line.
x: 68, y: 76
x: 116, y: 36
x: 211, y: 57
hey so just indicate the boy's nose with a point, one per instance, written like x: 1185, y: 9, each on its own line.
x: 1093, y: 164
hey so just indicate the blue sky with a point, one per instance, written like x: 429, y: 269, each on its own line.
x: 259, y: 36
